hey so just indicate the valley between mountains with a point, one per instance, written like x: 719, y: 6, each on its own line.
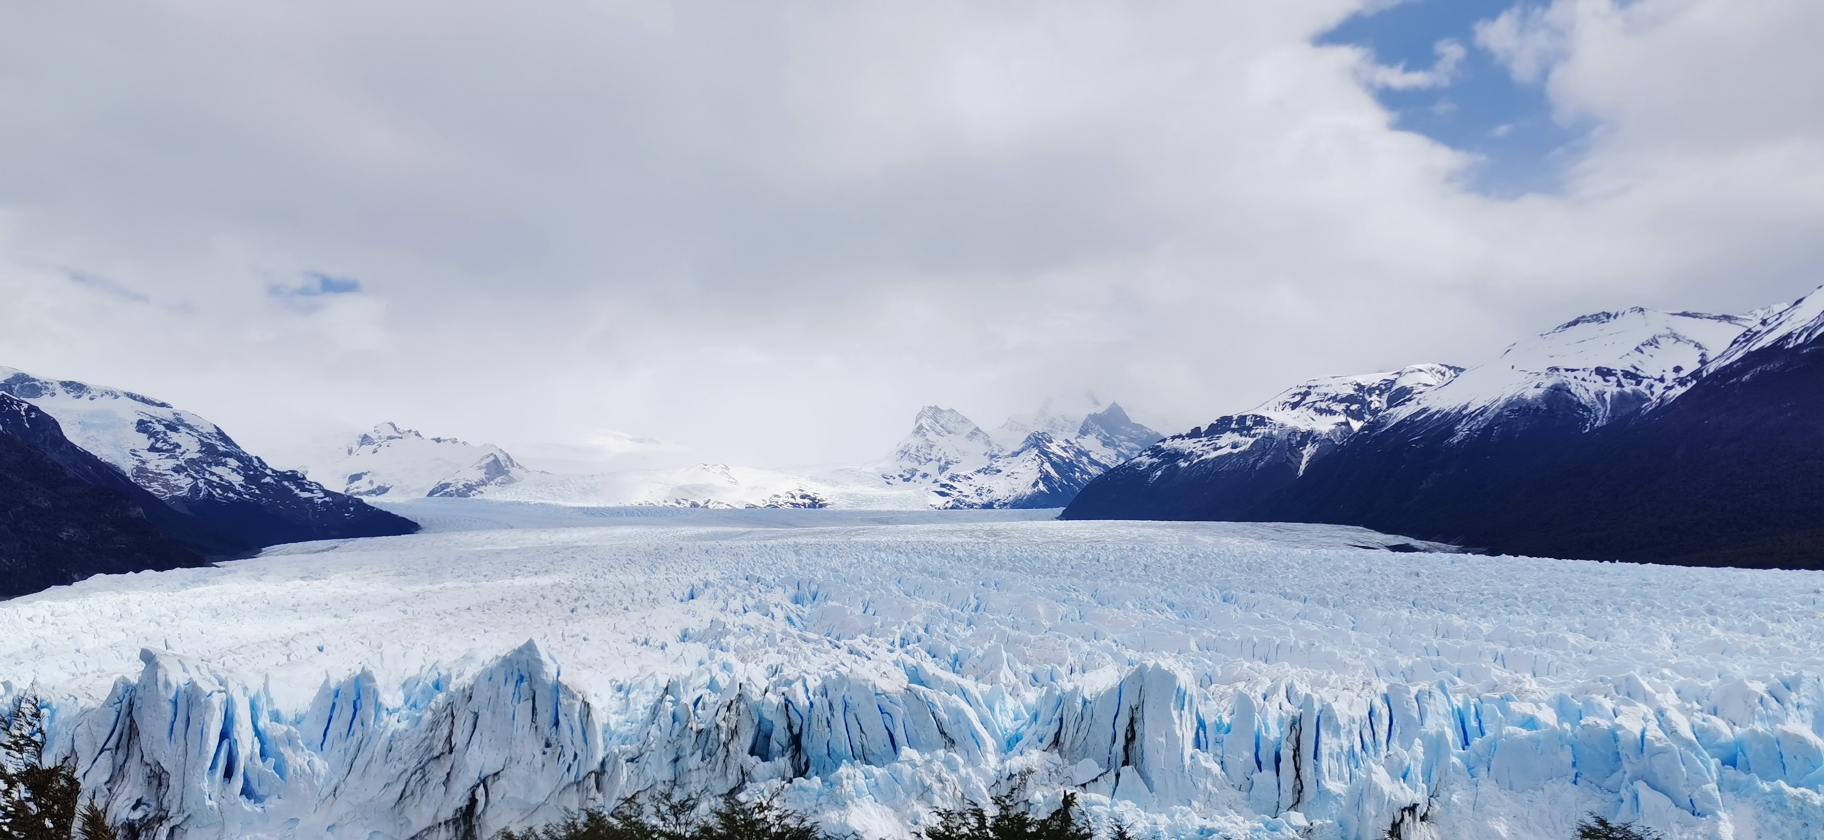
x: 1364, y: 609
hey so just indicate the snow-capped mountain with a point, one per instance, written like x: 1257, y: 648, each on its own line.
x: 1674, y: 437
x: 192, y: 465
x: 66, y: 515
x: 1112, y: 436
x: 399, y: 463
x: 1056, y: 451
x: 941, y: 440
x: 1586, y: 373
x: 1042, y: 472
x: 1244, y: 457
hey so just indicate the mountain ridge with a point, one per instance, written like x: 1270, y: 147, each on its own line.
x: 194, y: 467
x: 1633, y: 435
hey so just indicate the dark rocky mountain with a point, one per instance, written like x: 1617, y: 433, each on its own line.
x: 1641, y: 436
x: 64, y: 516
x: 196, y: 469
x: 1238, y: 459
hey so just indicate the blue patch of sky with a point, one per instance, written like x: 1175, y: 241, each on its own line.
x: 1480, y: 109
x: 316, y: 285
x: 308, y: 296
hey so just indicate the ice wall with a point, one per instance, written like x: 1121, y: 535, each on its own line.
x: 182, y: 752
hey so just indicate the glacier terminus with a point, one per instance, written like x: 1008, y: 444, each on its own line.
x: 515, y: 662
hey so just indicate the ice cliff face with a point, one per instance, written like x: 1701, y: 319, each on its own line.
x: 402, y: 463
x: 1193, y: 679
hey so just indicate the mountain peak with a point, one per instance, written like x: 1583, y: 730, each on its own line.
x: 941, y: 440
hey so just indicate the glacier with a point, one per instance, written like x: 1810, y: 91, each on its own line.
x: 1231, y: 680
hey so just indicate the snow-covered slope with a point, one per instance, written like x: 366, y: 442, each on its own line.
x: 1587, y: 373
x: 192, y: 465
x: 1042, y: 472
x: 1305, y: 420
x: 1241, y: 458
x: 699, y: 486
x: 1194, y: 680
x: 1794, y: 325
x: 402, y: 463
x: 66, y: 515
x: 941, y: 440
x: 173, y: 453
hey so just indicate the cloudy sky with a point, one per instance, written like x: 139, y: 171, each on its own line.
x: 772, y: 231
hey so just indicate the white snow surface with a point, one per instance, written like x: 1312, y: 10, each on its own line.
x: 1612, y: 363
x: 1036, y: 468
x: 1193, y: 679
x: 1313, y: 416
x: 172, y: 453
x: 942, y: 440
x: 716, y: 486
x: 1799, y: 322
x: 393, y: 462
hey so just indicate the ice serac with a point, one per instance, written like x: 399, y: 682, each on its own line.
x: 396, y: 463
x: 1218, y: 470
x: 185, y: 751
x: 1191, y: 679
x: 65, y: 515
x: 193, y: 466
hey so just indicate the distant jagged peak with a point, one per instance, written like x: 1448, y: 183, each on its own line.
x: 1116, y: 436
x: 399, y: 462
x: 941, y: 440
x: 937, y: 421
x: 1060, y: 416
x: 388, y: 432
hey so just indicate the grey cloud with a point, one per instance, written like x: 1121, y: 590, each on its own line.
x: 773, y: 231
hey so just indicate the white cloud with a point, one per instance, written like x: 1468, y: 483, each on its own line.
x: 771, y: 232
x: 1527, y: 39
x: 1442, y: 73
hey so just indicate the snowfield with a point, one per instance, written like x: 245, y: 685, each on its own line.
x: 1194, y: 679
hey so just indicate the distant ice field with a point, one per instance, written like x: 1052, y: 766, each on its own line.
x: 1257, y: 678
